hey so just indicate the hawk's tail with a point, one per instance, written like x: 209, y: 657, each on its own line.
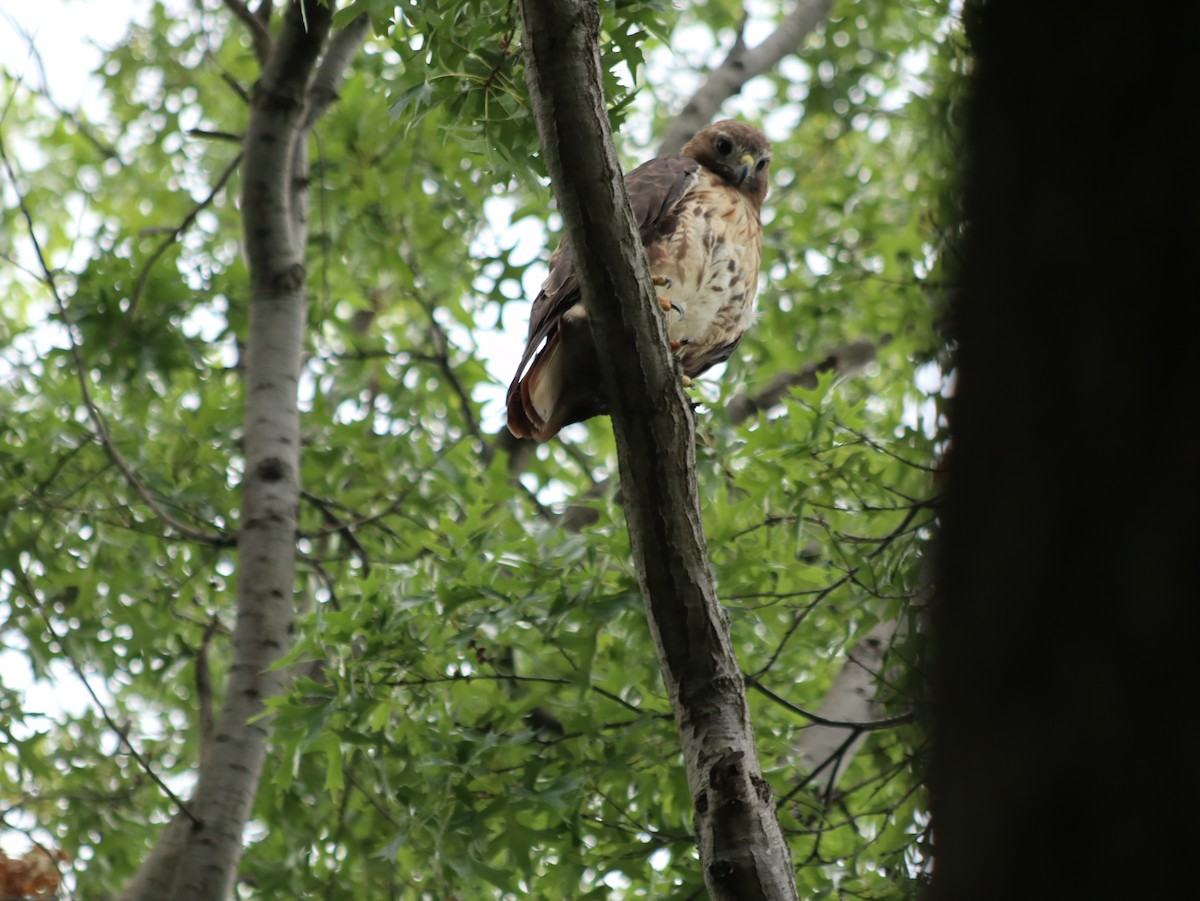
x: 533, y: 397
x: 560, y: 387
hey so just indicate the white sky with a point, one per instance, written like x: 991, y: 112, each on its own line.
x: 67, y: 33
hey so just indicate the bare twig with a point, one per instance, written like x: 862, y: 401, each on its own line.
x: 121, y: 732
x: 214, y: 135
x: 842, y: 360
x: 177, y: 232
x: 513, y: 677
x: 870, y: 726
x: 339, y: 527
x: 441, y: 348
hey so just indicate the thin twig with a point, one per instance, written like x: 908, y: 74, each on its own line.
x: 98, y: 423
x: 139, y: 286
x: 368, y: 519
x: 513, y: 677
x: 869, y: 726
x: 122, y: 734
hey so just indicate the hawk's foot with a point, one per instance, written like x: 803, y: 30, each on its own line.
x: 677, y: 346
x: 665, y: 281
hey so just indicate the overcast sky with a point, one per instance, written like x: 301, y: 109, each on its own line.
x: 66, y: 33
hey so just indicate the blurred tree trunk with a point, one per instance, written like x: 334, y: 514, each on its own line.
x: 1068, y: 558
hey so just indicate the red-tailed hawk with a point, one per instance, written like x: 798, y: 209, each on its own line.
x: 698, y: 213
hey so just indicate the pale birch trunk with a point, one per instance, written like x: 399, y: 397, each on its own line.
x: 197, y: 854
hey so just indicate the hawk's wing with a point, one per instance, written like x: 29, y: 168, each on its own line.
x: 655, y: 189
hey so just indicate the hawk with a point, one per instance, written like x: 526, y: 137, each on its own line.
x: 699, y: 216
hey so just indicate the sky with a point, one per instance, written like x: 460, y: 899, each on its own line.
x: 67, y: 34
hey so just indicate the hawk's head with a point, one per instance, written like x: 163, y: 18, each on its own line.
x: 735, y: 151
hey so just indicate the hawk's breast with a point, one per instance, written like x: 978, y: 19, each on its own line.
x: 711, y: 251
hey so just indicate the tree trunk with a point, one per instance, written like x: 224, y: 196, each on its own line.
x: 197, y: 854
x: 824, y: 752
x: 1068, y: 558
x: 742, y: 851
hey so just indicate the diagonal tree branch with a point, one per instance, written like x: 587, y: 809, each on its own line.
x: 343, y: 46
x: 739, y: 66
x: 122, y: 732
x: 742, y: 851
x: 844, y: 360
x: 177, y: 232
x: 257, y: 27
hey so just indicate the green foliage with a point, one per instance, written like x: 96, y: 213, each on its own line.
x: 477, y: 710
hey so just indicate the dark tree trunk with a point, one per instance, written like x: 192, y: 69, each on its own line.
x: 742, y: 849
x: 1069, y: 566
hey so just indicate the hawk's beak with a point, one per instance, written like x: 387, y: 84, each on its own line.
x: 742, y: 172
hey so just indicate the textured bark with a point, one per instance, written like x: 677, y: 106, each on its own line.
x: 742, y: 850
x: 1068, y: 556
x: 739, y: 66
x: 196, y: 860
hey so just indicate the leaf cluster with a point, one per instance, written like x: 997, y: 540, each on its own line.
x: 476, y: 708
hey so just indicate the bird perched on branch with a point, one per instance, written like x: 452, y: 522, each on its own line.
x: 699, y: 216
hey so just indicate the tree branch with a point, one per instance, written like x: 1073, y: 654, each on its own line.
x: 844, y: 718
x: 844, y: 360
x: 739, y: 66
x: 344, y: 44
x: 122, y: 732
x: 256, y: 26
x: 742, y: 850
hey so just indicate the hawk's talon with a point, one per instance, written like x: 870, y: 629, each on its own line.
x: 668, y: 306
x: 661, y: 281
x: 686, y: 382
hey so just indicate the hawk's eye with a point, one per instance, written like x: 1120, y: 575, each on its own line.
x: 724, y: 146
x: 762, y: 164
